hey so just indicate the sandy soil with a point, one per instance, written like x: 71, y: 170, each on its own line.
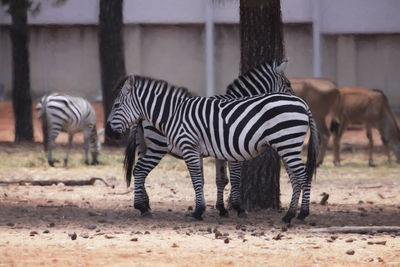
x: 35, y: 221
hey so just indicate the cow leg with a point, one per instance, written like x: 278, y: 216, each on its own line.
x: 324, y: 139
x: 371, y: 162
x: 336, y: 143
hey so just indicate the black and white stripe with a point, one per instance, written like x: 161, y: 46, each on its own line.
x: 227, y: 129
x: 152, y: 144
x: 70, y: 114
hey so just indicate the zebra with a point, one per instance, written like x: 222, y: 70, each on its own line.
x: 70, y: 114
x: 234, y: 130
x: 152, y: 144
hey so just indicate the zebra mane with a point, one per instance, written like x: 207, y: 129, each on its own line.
x: 241, y: 87
x: 142, y: 79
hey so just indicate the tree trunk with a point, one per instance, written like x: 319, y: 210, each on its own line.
x: 112, y: 61
x: 261, y: 41
x: 21, y: 96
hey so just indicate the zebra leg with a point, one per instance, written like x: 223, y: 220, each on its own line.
x: 86, y: 134
x: 305, y: 199
x: 194, y: 163
x: 53, y: 133
x: 144, y: 166
x: 221, y: 180
x: 70, y: 137
x: 291, y: 213
x: 234, y: 170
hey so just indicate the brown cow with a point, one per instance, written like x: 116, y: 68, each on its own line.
x: 322, y: 96
x: 370, y: 107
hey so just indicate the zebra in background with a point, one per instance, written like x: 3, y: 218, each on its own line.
x: 234, y: 130
x: 152, y: 144
x: 70, y: 114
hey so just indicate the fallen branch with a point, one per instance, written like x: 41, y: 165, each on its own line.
x: 357, y: 229
x: 91, y: 181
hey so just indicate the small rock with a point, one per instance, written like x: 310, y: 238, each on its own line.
x: 334, y: 237
x: 169, y: 210
x: 72, y: 235
x: 46, y: 231
x: 109, y: 236
x: 33, y: 233
x: 226, y: 240
x: 278, y: 237
x: 324, y: 199
x: 91, y: 226
x: 350, y: 240
x: 190, y: 208
x: 147, y: 233
x: 134, y: 239
x: 94, y: 213
x: 174, y: 245
x: 284, y: 228
x: 209, y: 230
x: 10, y: 224
x: 350, y: 252
x: 313, y: 223
x: 217, y: 234
x: 51, y: 224
x: 176, y: 228
x: 84, y: 235
x: 139, y: 233
x: 105, y: 220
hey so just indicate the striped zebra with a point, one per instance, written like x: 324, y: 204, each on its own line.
x: 152, y: 144
x: 234, y: 130
x: 70, y: 114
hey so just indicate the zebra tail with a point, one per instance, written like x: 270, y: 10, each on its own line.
x: 311, y: 165
x: 130, y: 151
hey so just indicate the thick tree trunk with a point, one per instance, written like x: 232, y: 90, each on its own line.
x: 261, y: 41
x: 21, y: 96
x: 112, y: 61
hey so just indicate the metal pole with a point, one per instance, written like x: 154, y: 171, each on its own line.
x: 317, y: 72
x: 209, y: 47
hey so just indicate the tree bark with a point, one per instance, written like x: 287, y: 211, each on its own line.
x: 112, y: 61
x: 261, y: 41
x: 21, y: 96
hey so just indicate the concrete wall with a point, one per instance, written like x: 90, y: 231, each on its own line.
x: 65, y: 58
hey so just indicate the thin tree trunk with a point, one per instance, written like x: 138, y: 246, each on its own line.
x: 112, y: 61
x: 261, y: 41
x: 21, y: 96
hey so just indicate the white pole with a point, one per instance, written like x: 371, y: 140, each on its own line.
x: 209, y: 47
x: 317, y: 72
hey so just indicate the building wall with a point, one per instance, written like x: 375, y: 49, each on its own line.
x: 65, y: 58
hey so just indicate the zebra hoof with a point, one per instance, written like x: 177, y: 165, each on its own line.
x: 146, y: 214
x: 300, y: 221
x: 242, y: 213
x: 288, y: 217
x: 194, y: 218
x: 51, y: 163
x: 303, y: 214
x: 95, y: 162
x: 223, y: 213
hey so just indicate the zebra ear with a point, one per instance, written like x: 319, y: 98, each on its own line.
x: 281, y: 68
x: 128, y: 85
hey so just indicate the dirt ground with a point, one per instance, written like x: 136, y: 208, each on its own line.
x: 35, y: 221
